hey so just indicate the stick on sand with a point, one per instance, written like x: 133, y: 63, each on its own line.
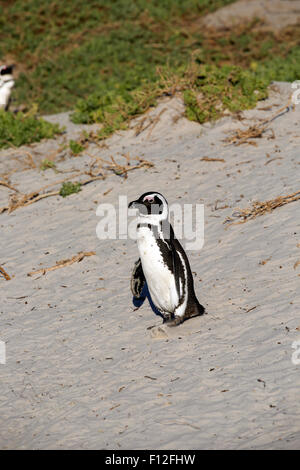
x: 4, y: 273
x: 63, y: 263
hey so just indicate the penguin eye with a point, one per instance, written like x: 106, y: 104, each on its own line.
x: 148, y: 199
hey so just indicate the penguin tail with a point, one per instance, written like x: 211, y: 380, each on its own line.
x: 196, y: 310
x: 200, y: 309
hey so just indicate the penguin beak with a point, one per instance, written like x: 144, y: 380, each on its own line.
x: 138, y: 205
x: 132, y: 205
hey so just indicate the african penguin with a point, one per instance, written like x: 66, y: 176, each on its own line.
x: 163, y: 267
x: 6, y: 85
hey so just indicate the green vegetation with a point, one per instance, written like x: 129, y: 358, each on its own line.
x: 112, y: 60
x: 208, y: 90
x: 68, y: 50
x: 214, y: 89
x: 231, y: 72
x: 68, y: 188
x: 20, y: 129
x: 75, y: 147
x: 48, y: 164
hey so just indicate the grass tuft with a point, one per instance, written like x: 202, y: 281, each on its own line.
x: 48, y: 164
x: 19, y: 129
x: 75, y: 147
x: 68, y: 188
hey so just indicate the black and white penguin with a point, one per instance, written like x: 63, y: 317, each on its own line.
x: 163, y: 267
x: 6, y: 85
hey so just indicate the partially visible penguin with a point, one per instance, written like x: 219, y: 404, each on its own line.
x: 163, y: 268
x: 6, y: 85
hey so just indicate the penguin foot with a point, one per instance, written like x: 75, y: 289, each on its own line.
x: 168, y: 317
x: 176, y: 321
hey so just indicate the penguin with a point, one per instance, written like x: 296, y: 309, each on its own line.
x: 6, y: 85
x: 162, y: 273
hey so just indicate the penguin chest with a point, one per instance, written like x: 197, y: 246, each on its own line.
x: 5, y: 92
x: 160, y: 280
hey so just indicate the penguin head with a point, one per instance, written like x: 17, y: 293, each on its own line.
x: 152, y: 207
x: 6, y: 69
x: 6, y: 77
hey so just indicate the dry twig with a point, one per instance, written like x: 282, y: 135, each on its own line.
x: 20, y: 200
x: 122, y: 170
x: 7, y: 185
x: 209, y: 159
x: 259, y: 208
x: 152, y: 122
x: 4, y: 273
x: 242, y: 136
x: 63, y: 263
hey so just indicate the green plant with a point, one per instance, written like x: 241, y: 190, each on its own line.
x: 68, y: 188
x: 217, y: 89
x: 19, y: 129
x: 47, y: 164
x: 75, y: 147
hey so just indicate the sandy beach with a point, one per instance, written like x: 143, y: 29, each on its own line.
x: 83, y: 369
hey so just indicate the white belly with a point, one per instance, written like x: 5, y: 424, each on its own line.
x: 160, y: 280
x: 5, y: 92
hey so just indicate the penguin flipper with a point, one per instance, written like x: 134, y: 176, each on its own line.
x: 139, y: 288
x: 138, y: 280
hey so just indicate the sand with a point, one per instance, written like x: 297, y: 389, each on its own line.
x: 273, y: 15
x: 86, y: 371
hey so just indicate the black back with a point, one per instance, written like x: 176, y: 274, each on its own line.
x: 169, y: 247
